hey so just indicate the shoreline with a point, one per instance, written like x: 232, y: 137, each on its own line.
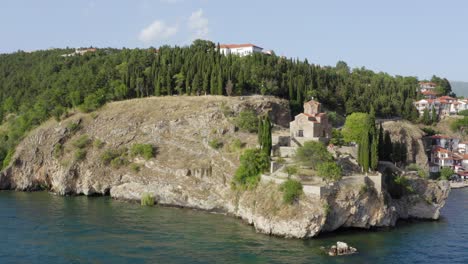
x: 458, y: 185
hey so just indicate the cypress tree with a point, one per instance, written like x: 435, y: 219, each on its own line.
x: 426, y: 118
x: 220, y: 83
x: 260, y: 132
x: 267, y: 142
x: 388, y: 146
x: 381, y: 143
x: 364, y: 152
x: 374, y: 162
x: 434, y: 116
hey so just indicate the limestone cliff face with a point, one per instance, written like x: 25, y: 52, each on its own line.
x: 186, y: 171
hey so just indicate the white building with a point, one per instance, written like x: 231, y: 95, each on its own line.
x: 239, y: 49
x: 426, y: 86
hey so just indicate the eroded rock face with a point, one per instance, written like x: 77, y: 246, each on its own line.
x: 187, y: 172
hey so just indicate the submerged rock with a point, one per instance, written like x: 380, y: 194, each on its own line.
x: 340, y: 249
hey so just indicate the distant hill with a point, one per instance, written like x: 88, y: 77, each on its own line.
x: 460, y: 88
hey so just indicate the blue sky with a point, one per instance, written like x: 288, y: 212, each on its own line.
x: 405, y: 37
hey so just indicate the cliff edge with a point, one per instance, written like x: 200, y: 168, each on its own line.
x: 69, y: 158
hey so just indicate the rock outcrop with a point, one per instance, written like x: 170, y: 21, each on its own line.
x: 187, y: 172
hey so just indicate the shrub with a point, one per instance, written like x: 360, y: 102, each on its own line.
x: 252, y: 163
x: 8, y: 158
x: 144, y: 150
x: 429, y: 131
x: 413, y: 167
x: 118, y: 162
x: 326, y: 209
x: 422, y: 173
x: 235, y: 145
x: 93, y: 101
x: 110, y: 154
x: 291, y: 170
x: 80, y: 154
x: 364, y: 189
x: 337, y: 138
x: 215, y: 143
x: 445, y: 173
x: 135, y: 167
x: 329, y: 171
x: 82, y: 142
x: 247, y: 121
x: 398, y: 186
x: 58, y: 150
x: 313, y: 153
x: 97, y: 143
x: 147, y: 199
x: 227, y: 112
x: 463, y: 113
x: 73, y: 127
x: 292, y: 190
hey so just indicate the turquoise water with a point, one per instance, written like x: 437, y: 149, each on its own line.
x: 43, y: 228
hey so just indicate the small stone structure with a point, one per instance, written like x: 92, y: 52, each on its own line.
x: 311, y: 125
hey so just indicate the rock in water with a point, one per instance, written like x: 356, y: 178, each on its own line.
x: 340, y: 249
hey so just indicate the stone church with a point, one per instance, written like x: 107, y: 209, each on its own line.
x: 311, y: 125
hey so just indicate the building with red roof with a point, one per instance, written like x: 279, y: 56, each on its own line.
x: 312, y: 124
x: 239, y: 49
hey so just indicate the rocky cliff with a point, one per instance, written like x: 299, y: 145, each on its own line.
x: 67, y: 158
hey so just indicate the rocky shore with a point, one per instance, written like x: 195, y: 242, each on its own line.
x: 188, y: 172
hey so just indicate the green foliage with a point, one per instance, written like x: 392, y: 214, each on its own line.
x: 355, y: 126
x: 8, y: 158
x: 291, y: 170
x: 364, y: 189
x: 463, y: 112
x: 135, y: 167
x: 82, y: 142
x: 460, y: 125
x: 147, y: 199
x: 426, y: 118
x: 40, y: 84
x: 423, y: 174
x: 445, y: 173
x: 337, y: 138
x: 227, y: 111
x: 264, y: 134
x: 58, y: 150
x: 236, y: 145
x: 118, y: 162
x: 313, y: 153
x: 97, y: 143
x: 327, y: 209
x: 397, y: 186
x: 430, y: 131
x: 329, y: 171
x: 112, y: 154
x: 292, y: 190
x: 215, y: 143
x: 252, y: 163
x: 73, y: 127
x: 412, y: 167
x: 336, y: 119
x: 144, y: 150
x: 247, y: 121
x: 80, y: 154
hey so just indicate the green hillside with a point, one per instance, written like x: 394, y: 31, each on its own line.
x: 35, y: 86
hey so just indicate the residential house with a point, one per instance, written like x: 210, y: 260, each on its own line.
x: 426, y: 86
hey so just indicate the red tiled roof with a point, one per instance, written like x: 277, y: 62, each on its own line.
x: 234, y: 46
x: 312, y: 102
x: 445, y: 97
x: 429, y: 92
x: 428, y: 83
x: 441, y: 150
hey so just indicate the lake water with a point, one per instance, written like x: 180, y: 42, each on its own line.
x: 43, y: 228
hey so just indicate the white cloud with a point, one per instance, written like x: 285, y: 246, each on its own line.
x: 157, y: 31
x: 198, y: 24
